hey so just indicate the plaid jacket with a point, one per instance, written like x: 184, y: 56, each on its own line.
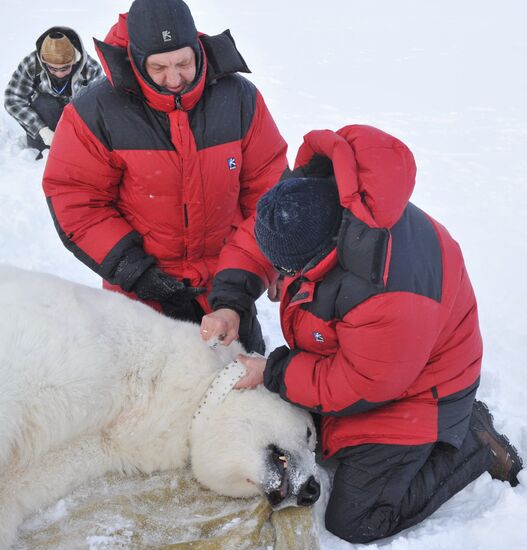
x: 30, y: 79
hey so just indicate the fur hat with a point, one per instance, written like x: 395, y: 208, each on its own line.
x: 297, y: 220
x: 57, y: 49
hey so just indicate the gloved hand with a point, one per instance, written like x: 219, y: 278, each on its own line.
x: 47, y: 135
x: 184, y: 311
x: 155, y: 284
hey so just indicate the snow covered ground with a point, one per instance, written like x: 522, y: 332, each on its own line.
x: 446, y: 77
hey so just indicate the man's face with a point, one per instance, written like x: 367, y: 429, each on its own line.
x: 174, y: 70
x: 60, y: 71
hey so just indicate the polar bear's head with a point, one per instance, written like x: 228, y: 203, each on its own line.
x: 257, y: 443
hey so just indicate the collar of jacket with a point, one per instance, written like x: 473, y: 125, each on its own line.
x: 319, y: 266
x: 220, y: 58
x: 301, y: 289
x: 166, y: 101
x: 125, y: 77
x: 361, y: 250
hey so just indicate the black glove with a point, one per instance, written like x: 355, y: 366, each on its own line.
x: 155, y: 284
x: 133, y: 263
x: 185, y: 311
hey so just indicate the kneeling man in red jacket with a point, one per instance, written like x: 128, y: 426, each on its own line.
x: 382, y: 330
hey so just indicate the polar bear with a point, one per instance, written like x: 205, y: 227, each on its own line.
x: 93, y: 382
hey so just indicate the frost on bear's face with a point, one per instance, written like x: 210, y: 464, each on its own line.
x: 257, y: 443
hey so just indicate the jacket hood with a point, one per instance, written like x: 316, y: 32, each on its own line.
x: 158, y: 26
x: 219, y: 57
x: 73, y: 37
x: 375, y: 174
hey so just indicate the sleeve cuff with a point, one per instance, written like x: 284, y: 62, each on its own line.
x: 275, y: 368
x: 235, y: 289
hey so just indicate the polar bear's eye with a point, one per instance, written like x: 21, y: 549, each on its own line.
x: 309, y: 432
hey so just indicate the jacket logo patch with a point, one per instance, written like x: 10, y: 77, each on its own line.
x: 167, y: 37
x: 231, y: 162
x: 318, y: 336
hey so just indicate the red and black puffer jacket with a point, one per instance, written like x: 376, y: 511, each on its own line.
x: 172, y: 176
x: 383, y: 332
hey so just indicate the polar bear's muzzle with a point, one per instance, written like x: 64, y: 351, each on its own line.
x: 279, y: 487
x: 278, y: 467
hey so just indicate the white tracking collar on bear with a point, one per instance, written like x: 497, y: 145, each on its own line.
x: 217, y: 392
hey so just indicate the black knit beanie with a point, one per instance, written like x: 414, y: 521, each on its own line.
x: 297, y: 220
x: 157, y: 26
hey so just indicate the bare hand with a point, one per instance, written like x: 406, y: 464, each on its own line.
x: 220, y: 325
x: 255, y: 367
x: 274, y: 292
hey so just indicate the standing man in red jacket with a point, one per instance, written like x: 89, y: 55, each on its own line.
x: 382, y: 330
x: 156, y: 168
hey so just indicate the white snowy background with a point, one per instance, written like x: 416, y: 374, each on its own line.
x: 447, y: 77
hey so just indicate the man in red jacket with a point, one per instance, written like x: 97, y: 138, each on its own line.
x: 154, y: 169
x: 382, y: 330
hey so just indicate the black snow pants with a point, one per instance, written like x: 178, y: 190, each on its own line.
x: 49, y: 108
x: 379, y: 490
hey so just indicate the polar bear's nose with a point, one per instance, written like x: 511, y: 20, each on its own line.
x: 309, y: 492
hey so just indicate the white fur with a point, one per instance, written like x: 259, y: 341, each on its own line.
x: 92, y: 382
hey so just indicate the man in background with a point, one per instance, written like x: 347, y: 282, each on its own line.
x: 45, y: 81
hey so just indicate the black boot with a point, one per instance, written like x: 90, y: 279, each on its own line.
x: 507, y: 462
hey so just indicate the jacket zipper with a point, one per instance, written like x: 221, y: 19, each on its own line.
x: 185, y: 214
